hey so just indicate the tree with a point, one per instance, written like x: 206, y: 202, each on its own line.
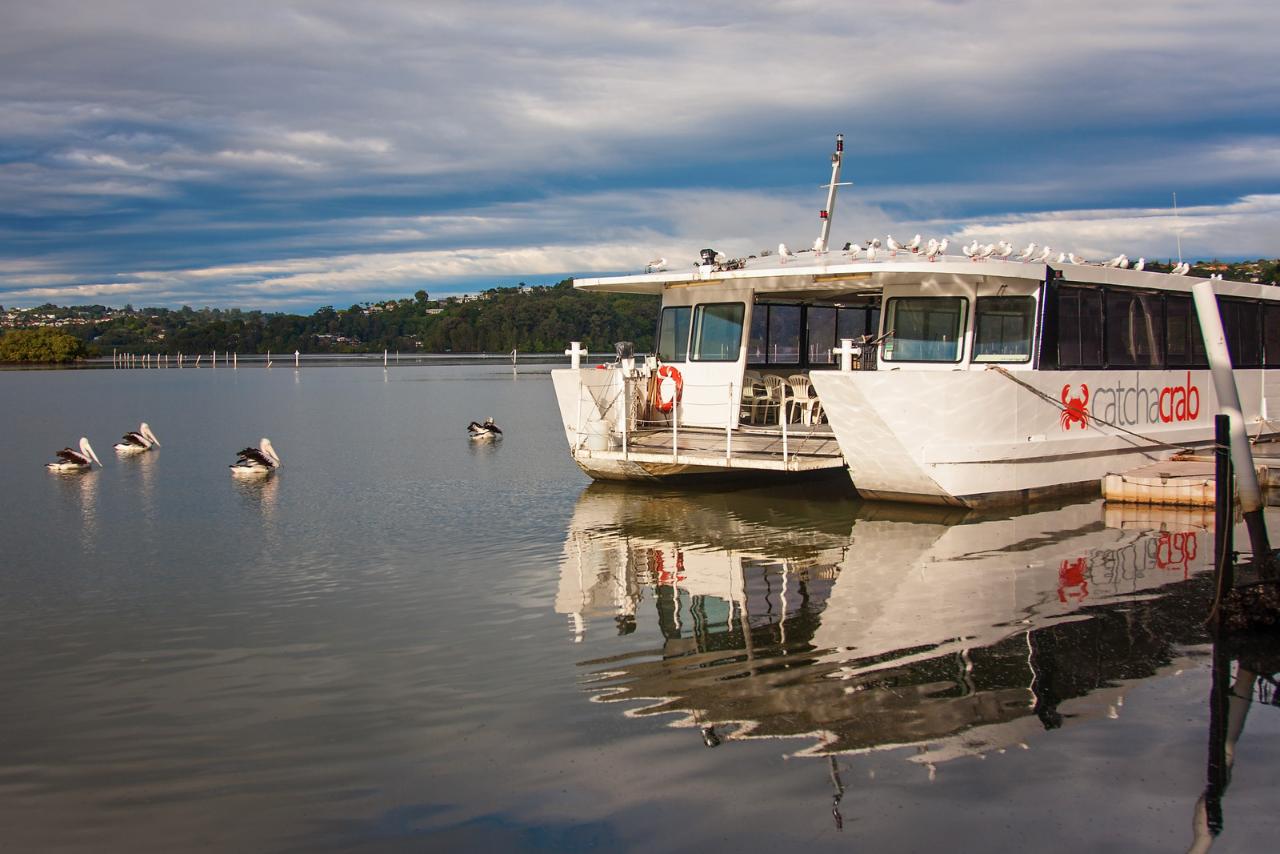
x: 40, y: 345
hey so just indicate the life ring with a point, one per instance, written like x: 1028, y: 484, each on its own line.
x: 665, y: 402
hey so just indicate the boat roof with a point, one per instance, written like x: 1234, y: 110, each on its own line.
x: 823, y: 271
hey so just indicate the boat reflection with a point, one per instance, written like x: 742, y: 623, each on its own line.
x: 866, y: 627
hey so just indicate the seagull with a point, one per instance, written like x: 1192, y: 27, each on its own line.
x: 137, y: 441
x: 657, y: 265
x: 985, y: 251
x: 1120, y: 261
x: 892, y: 245
x: 1140, y: 264
x: 487, y: 430
x: 71, y: 460
x: 1006, y: 249
x: 1181, y: 269
x: 1028, y: 252
x: 1074, y: 258
x: 818, y: 245
x: 852, y: 251
x: 931, y: 246
x: 1062, y: 257
x: 970, y: 250
x: 872, y: 245
x: 936, y: 249
x: 256, y: 462
x: 914, y: 245
x: 784, y: 253
x: 1044, y: 255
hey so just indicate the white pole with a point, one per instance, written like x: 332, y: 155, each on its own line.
x: 784, y: 416
x: 831, y: 192
x: 213, y: 361
x: 675, y: 427
x: 235, y: 360
x: 626, y: 411
x: 384, y: 358
x: 728, y: 428
x: 295, y: 359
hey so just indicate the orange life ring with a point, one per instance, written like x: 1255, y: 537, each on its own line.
x: 668, y: 372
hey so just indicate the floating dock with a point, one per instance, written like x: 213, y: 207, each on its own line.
x: 1186, y: 480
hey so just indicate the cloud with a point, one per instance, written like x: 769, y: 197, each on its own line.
x: 137, y: 136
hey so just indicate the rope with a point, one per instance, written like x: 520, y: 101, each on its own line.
x: 1057, y: 404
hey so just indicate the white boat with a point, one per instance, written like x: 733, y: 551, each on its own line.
x: 966, y: 380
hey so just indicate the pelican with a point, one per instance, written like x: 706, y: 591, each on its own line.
x: 70, y: 460
x: 256, y: 462
x: 137, y: 441
x: 487, y: 430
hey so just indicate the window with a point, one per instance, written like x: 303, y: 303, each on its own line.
x: 857, y: 322
x: 1079, y: 328
x: 820, y: 332
x: 717, y: 332
x: 775, y: 334
x: 1134, y: 330
x: 1003, y: 329
x: 1271, y: 331
x: 925, y: 329
x: 673, y: 334
x: 1184, y: 345
x: 1242, y: 322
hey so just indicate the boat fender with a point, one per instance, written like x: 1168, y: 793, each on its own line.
x: 675, y: 387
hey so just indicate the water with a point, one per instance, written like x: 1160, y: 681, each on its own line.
x: 407, y: 641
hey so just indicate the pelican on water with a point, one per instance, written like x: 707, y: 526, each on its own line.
x: 255, y: 462
x: 487, y: 430
x: 71, y: 460
x: 137, y: 441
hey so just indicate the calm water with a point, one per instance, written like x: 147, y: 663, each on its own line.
x: 405, y: 641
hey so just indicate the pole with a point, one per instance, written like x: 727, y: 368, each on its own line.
x: 829, y: 210
x: 1224, y: 381
x: 728, y: 428
x: 1223, y: 511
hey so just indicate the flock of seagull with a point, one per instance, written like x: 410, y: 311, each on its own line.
x: 1001, y: 250
x: 251, y: 462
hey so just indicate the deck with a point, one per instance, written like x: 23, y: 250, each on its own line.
x: 807, y: 448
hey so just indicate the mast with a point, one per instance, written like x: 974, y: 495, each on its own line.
x: 825, y: 213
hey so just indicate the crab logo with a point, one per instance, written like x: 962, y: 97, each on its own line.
x: 1073, y: 580
x: 1075, y: 408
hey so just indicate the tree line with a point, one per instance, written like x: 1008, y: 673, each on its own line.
x: 538, y: 319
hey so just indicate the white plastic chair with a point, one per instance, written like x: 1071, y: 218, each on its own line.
x: 802, y: 400
x: 775, y: 394
x: 754, y: 397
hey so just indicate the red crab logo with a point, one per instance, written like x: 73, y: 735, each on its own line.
x: 1077, y: 408
x: 1073, y: 582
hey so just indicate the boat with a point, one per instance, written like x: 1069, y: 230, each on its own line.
x: 982, y: 379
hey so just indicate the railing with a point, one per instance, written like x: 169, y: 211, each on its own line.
x: 613, y: 412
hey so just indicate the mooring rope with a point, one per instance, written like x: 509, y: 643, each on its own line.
x: 1060, y: 405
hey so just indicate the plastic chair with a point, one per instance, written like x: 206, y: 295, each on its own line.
x: 775, y: 395
x: 754, y: 397
x: 803, y: 401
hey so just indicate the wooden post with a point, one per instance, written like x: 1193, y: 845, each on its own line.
x: 1223, y: 512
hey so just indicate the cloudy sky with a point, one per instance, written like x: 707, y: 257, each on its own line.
x: 285, y: 154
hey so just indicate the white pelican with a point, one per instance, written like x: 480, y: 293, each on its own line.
x: 256, y: 462
x: 70, y: 460
x: 487, y: 430
x: 137, y: 441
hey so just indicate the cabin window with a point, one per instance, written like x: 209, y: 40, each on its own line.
x: 673, y: 334
x: 775, y: 335
x: 1079, y: 328
x: 925, y: 329
x: 1271, y: 331
x: 856, y: 322
x: 1135, y: 330
x: 717, y: 332
x: 1242, y: 321
x: 1184, y: 345
x: 820, y: 329
x: 1003, y: 327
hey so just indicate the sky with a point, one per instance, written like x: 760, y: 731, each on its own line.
x: 288, y: 154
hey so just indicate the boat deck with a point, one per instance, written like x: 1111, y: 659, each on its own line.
x: 809, y: 448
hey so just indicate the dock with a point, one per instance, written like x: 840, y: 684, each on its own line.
x: 1185, y: 479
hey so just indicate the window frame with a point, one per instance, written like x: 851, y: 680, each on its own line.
x: 688, y: 333
x: 696, y: 326
x: 1030, y: 320
x: 890, y: 316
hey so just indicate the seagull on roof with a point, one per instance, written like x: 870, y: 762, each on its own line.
x: 73, y: 460
x: 1062, y: 257
x: 1044, y: 255
x: 852, y: 251
x: 872, y: 246
x: 1120, y: 262
x: 1028, y: 252
x: 137, y: 441
x: 970, y: 250
x: 657, y: 265
x: 1075, y: 259
x: 1182, y: 269
x: 784, y: 253
x: 936, y: 249
x: 914, y: 244
x: 256, y: 462
x: 1005, y: 250
x: 892, y: 245
x: 986, y: 251
x: 1140, y: 264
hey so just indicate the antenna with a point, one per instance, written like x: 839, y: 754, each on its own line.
x: 1177, y: 229
x: 826, y: 213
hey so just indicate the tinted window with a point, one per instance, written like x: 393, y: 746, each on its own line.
x: 673, y: 334
x: 925, y: 329
x: 717, y: 332
x: 1242, y: 321
x: 1184, y: 346
x: 821, y: 333
x: 1271, y: 330
x: 1003, y: 329
x: 1079, y: 328
x: 1135, y: 330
